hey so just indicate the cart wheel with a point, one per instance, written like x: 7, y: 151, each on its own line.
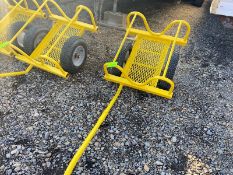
x: 33, y: 36
x: 198, y: 3
x: 122, y: 59
x: 14, y: 28
x: 170, y: 72
x: 73, y: 54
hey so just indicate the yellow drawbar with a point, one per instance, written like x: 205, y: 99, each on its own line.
x: 52, y: 42
x: 144, y: 64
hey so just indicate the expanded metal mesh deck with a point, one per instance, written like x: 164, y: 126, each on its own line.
x: 56, y: 50
x: 55, y: 53
x: 147, y: 59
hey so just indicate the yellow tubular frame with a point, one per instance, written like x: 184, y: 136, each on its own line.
x: 70, y: 22
x: 159, y: 36
x: 175, y: 40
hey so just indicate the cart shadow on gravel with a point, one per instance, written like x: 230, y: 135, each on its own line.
x: 136, y: 126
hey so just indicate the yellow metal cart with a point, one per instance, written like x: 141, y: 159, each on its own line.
x: 15, y: 21
x: 59, y: 50
x: 148, y: 64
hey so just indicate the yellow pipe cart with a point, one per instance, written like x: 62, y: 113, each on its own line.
x: 147, y: 64
x: 59, y: 50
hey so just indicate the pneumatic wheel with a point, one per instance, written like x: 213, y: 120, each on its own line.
x: 122, y: 58
x: 198, y: 3
x: 14, y: 28
x: 73, y: 54
x: 33, y: 36
x: 170, y: 72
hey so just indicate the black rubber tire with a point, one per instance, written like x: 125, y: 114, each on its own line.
x: 198, y: 3
x: 122, y: 59
x: 42, y: 22
x: 31, y: 35
x: 14, y: 28
x: 67, y: 54
x: 170, y: 72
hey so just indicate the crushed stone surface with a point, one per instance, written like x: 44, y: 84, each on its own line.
x: 44, y: 118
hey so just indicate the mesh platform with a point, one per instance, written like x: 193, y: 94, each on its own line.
x: 147, y: 60
x: 54, y: 51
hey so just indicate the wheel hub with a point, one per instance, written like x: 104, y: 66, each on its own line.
x: 79, y: 56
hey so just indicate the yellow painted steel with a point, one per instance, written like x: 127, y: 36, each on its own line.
x: 17, y: 73
x: 150, y: 57
x: 17, y: 13
x: 142, y: 70
x: 92, y: 133
x: 46, y: 55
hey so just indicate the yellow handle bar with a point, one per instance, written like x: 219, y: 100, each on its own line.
x: 78, y: 11
x: 171, y: 25
x: 80, y: 8
x: 130, y: 22
x: 56, y: 5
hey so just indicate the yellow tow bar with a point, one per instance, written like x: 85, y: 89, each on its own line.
x: 92, y: 133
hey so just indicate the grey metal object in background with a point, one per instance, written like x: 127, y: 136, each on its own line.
x: 115, y: 6
x: 224, y: 10
x: 112, y: 18
x: 98, y: 8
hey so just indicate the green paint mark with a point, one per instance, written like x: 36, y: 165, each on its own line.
x: 2, y: 45
x: 112, y: 64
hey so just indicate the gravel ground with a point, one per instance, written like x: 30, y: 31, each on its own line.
x: 43, y: 118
